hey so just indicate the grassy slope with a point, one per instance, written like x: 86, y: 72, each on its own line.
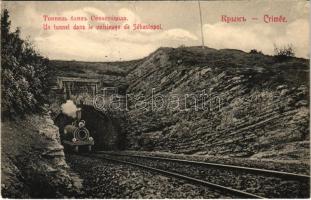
x: 90, y: 69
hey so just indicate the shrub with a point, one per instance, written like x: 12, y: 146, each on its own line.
x: 23, y: 75
x: 254, y: 51
x: 283, y: 53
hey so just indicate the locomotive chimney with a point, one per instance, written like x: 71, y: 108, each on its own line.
x: 78, y: 114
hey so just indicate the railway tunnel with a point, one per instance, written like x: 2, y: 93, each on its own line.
x: 105, y: 129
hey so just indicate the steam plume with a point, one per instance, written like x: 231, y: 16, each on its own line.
x: 69, y: 109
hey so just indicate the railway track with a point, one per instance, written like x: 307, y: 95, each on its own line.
x: 245, y: 182
x: 221, y: 188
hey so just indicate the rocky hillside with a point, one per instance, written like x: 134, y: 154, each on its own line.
x: 33, y: 162
x: 256, y: 105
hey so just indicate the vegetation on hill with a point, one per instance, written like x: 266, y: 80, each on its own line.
x: 23, y: 74
x: 90, y: 69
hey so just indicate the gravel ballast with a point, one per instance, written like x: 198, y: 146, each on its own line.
x: 105, y: 179
x: 267, y: 186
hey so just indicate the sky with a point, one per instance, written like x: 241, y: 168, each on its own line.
x: 180, y: 21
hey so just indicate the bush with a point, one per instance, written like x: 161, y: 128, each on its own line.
x: 283, y: 53
x: 254, y: 51
x: 23, y: 75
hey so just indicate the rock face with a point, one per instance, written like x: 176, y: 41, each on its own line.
x: 219, y: 102
x: 33, y: 163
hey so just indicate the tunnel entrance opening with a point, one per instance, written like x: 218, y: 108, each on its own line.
x: 104, y: 129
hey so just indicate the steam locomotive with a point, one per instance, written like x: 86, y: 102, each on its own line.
x: 77, y: 135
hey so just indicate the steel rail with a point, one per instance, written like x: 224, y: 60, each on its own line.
x: 187, y: 178
x: 286, y: 175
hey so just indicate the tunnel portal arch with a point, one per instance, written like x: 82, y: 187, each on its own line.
x: 105, y: 129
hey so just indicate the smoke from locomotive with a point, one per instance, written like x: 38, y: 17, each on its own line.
x: 69, y: 109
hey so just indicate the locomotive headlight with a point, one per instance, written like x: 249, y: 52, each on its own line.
x: 91, y: 139
x: 74, y: 139
x: 81, y: 124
